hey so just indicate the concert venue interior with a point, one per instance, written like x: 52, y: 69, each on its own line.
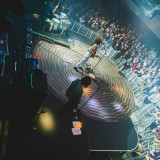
x: 42, y: 43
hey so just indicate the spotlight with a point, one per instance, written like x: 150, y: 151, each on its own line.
x: 36, y: 16
x: 34, y: 128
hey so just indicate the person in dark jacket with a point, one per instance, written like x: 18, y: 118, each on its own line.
x: 75, y: 91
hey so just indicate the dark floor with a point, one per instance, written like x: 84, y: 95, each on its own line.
x: 60, y: 144
x: 25, y: 143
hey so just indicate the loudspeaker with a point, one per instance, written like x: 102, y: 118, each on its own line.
x: 29, y: 64
x: 39, y: 81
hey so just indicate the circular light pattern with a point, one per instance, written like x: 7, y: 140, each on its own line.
x: 111, y: 96
x: 93, y: 103
x: 46, y: 123
x: 72, y: 78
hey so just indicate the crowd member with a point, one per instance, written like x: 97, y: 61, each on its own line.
x: 125, y: 55
x: 154, y: 98
x: 151, y: 90
x: 128, y: 63
x: 157, y: 116
x: 140, y: 72
x: 82, y: 20
x: 126, y: 40
x: 153, y: 155
x: 156, y: 122
x: 110, y: 42
x: 156, y: 131
x: 100, y: 32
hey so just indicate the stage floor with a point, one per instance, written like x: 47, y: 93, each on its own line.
x: 113, y: 102
x: 118, y: 136
x: 55, y: 138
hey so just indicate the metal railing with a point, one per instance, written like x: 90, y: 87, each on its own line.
x: 83, y: 30
x: 91, y: 35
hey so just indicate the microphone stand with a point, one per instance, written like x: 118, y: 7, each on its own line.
x: 36, y: 120
x: 79, y: 109
x: 82, y: 74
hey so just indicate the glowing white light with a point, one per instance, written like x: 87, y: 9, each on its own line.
x: 46, y: 123
x: 118, y: 106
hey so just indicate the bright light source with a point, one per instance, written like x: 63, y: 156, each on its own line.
x: 36, y: 16
x: 93, y: 103
x: 118, y: 106
x: 76, y: 131
x: 77, y: 124
x: 46, y: 124
x: 72, y: 78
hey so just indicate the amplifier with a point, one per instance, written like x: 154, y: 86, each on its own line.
x: 39, y: 81
x: 29, y: 64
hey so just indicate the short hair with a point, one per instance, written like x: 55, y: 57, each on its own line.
x: 86, y: 81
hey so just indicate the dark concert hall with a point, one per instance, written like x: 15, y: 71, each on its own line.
x: 80, y: 79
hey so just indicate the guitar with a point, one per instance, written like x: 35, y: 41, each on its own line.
x: 93, y: 55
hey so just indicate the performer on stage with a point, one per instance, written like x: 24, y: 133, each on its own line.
x: 49, y: 10
x: 75, y: 91
x: 90, y: 53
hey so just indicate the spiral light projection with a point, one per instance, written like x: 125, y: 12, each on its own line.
x: 112, y: 102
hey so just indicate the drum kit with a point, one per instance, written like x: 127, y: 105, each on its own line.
x: 59, y: 23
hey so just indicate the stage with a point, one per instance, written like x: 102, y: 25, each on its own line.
x: 112, y: 102
x: 105, y: 127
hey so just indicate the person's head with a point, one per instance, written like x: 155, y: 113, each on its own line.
x: 86, y: 81
x: 51, y: 2
x: 98, y: 40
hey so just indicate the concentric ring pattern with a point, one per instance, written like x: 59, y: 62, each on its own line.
x: 108, y: 99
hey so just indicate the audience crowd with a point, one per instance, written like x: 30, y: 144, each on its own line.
x: 111, y: 24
